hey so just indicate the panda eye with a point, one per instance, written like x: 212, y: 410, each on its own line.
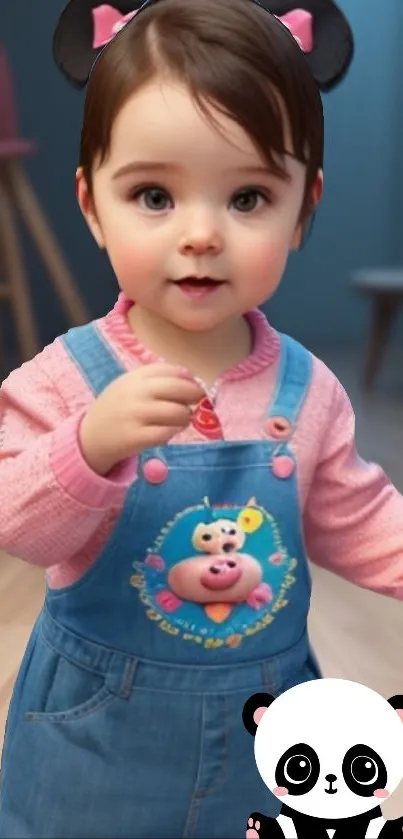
x: 297, y: 769
x: 364, y: 770
x: 207, y: 537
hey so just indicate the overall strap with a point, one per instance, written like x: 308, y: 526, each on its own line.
x: 293, y: 380
x: 94, y: 358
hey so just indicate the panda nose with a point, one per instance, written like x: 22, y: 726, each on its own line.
x: 331, y: 778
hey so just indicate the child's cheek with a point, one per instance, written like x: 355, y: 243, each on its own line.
x: 266, y: 264
x: 133, y: 263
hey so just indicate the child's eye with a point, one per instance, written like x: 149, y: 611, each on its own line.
x: 153, y: 198
x: 249, y: 200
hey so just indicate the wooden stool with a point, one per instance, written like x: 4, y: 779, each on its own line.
x: 385, y: 288
x: 17, y: 198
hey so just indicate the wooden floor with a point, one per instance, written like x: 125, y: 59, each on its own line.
x: 356, y: 634
x: 21, y: 597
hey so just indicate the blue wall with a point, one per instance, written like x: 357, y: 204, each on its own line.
x: 358, y: 223
x: 398, y: 225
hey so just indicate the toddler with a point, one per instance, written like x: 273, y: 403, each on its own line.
x: 173, y: 463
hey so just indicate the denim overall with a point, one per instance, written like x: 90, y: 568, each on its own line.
x: 126, y: 718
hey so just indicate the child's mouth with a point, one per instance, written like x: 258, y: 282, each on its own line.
x: 198, y: 287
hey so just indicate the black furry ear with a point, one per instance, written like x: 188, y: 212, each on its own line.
x: 396, y: 702
x: 75, y: 46
x: 333, y: 42
x: 258, y: 702
x: 73, y: 42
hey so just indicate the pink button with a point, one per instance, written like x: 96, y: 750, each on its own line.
x: 155, y: 471
x: 283, y: 466
x: 279, y: 428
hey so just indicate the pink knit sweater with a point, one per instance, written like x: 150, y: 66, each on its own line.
x: 55, y: 512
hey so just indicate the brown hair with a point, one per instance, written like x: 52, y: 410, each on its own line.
x: 232, y: 55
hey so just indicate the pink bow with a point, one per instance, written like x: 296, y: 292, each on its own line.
x: 300, y: 24
x: 109, y: 21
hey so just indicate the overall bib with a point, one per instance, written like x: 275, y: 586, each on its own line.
x: 126, y: 717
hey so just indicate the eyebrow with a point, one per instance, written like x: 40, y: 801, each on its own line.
x: 262, y: 170
x: 155, y: 166
x: 143, y: 166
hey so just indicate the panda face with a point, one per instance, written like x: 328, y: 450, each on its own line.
x: 330, y: 748
x: 363, y: 772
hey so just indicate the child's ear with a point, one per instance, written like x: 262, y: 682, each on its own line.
x: 300, y: 232
x: 87, y: 207
x: 317, y: 191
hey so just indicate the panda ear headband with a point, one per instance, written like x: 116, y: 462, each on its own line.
x: 85, y: 27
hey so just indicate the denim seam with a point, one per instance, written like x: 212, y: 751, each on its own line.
x: 252, y: 688
x: 90, y: 707
x: 194, y: 805
x: 203, y: 792
x: 128, y: 678
x: 94, y: 670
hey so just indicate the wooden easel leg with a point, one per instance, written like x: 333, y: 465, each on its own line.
x: 47, y: 246
x: 16, y: 286
x: 385, y: 307
x: 4, y: 286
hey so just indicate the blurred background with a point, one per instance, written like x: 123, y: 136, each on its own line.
x: 358, y: 229
x: 359, y: 223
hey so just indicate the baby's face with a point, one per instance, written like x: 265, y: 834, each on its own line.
x: 177, y: 198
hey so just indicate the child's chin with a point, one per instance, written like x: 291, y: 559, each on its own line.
x: 197, y: 321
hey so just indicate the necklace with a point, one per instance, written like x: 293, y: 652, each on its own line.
x: 204, y: 417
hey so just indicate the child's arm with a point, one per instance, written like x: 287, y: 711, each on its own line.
x: 51, y: 503
x: 353, y: 517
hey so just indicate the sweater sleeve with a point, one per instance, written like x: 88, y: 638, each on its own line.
x: 51, y: 503
x: 353, y: 519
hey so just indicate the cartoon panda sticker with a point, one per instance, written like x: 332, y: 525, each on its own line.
x: 331, y: 750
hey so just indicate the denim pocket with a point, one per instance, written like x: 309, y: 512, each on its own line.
x: 60, y: 690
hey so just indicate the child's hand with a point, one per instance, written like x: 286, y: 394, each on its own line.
x: 139, y: 410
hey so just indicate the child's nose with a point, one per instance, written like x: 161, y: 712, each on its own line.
x: 202, y: 235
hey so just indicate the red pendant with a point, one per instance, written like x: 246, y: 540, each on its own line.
x: 206, y: 422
